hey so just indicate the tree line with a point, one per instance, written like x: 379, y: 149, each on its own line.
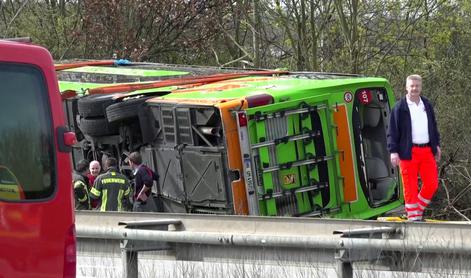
x: 389, y: 38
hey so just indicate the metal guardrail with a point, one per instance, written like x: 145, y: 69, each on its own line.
x: 337, y: 242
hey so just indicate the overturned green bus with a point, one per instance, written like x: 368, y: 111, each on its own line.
x: 227, y: 141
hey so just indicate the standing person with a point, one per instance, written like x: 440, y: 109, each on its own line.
x: 111, y: 187
x: 414, y: 144
x: 143, y: 180
x: 80, y: 183
x: 95, y: 170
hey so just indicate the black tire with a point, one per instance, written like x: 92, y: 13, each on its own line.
x: 94, y: 105
x: 126, y: 109
x: 98, y: 127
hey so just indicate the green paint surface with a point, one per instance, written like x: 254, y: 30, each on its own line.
x: 282, y: 87
x: 81, y: 88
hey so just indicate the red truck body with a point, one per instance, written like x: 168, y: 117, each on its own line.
x: 37, y: 230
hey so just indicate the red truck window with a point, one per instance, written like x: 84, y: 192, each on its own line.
x: 26, y: 141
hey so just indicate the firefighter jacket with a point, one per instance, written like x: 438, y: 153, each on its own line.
x: 112, y: 188
x: 82, y: 200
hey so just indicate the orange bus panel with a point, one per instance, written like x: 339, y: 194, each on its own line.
x: 346, y: 156
x: 233, y: 154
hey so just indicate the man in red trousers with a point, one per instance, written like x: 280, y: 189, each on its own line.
x: 414, y: 144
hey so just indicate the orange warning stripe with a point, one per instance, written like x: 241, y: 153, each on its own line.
x: 347, y: 169
x: 83, y: 64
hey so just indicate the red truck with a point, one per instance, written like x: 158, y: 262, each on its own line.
x: 37, y: 230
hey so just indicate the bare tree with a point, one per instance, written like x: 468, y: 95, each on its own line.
x: 302, y: 23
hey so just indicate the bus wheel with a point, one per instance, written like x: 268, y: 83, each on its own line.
x: 94, y: 105
x: 98, y: 127
x: 126, y: 109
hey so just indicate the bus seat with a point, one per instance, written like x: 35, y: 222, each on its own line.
x: 378, y: 176
x: 371, y: 117
x: 376, y: 168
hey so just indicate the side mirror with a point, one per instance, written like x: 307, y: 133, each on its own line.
x: 70, y: 139
x: 65, y: 139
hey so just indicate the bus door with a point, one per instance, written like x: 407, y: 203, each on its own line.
x: 289, y: 157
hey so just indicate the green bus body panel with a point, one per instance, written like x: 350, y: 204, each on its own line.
x: 77, y: 86
x: 301, y: 176
x: 281, y: 88
x: 82, y: 87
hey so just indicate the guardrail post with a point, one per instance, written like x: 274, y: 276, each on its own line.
x: 129, y: 260
x: 130, y: 248
x: 346, y: 256
x: 344, y: 269
x: 344, y: 264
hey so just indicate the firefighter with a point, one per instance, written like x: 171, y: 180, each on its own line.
x: 111, y: 187
x: 80, y: 183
